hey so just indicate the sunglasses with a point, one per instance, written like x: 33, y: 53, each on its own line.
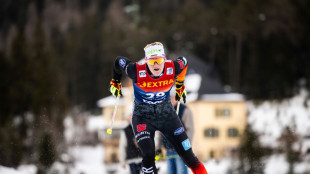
x: 158, y: 60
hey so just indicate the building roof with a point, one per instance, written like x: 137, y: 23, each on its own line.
x: 228, y: 97
x: 203, y: 82
x: 210, y: 82
x: 110, y: 101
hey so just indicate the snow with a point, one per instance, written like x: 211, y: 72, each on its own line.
x: 95, y: 123
x: 23, y: 169
x: 270, y: 118
x: 192, y: 83
x: 276, y: 164
x: 219, y: 167
x: 69, y: 129
x: 89, y: 160
x: 7, y: 170
x: 110, y: 100
x: 223, y: 97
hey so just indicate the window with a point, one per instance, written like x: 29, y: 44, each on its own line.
x: 224, y: 112
x: 233, y: 132
x: 211, y: 154
x: 211, y: 132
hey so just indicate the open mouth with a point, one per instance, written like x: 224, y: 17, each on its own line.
x: 156, y: 69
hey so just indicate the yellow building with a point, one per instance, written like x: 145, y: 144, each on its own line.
x: 219, y: 122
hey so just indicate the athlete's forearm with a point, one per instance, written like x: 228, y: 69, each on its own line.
x: 124, y: 64
x: 180, y: 69
x: 118, y: 67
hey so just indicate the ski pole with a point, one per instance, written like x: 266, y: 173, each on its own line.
x: 157, y: 157
x: 178, y: 107
x: 109, y: 131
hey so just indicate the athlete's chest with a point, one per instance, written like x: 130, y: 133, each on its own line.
x: 147, y: 83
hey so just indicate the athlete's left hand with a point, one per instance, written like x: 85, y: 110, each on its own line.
x: 180, y: 92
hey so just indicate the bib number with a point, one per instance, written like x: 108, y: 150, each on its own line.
x: 155, y: 96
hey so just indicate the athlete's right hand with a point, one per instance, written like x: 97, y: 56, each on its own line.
x: 115, y: 87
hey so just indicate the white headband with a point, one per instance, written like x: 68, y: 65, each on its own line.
x: 154, y: 51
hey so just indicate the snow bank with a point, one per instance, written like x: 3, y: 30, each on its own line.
x: 269, y: 119
x: 23, y: 169
x: 89, y: 160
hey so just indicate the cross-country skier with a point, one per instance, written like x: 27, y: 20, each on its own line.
x: 152, y: 82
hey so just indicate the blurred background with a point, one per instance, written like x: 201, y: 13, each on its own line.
x: 56, y: 59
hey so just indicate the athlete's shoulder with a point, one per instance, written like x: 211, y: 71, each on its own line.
x: 122, y: 62
x: 181, y: 62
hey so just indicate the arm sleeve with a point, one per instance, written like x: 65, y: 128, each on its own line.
x: 124, y: 64
x: 180, y: 65
x: 188, y: 122
x: 122, y: 148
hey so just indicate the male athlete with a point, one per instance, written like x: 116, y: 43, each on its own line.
x: 152, y: 82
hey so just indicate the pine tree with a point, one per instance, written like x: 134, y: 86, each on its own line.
x: 47, y: 152
x: 49, y: 101
x: 250, y: 153
x: 16, y: 93
x: 288, y: 138
x: 4, y: 88
x: 11, y: 145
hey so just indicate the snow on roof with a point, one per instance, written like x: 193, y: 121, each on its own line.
x: 193, y: 82
x: 109, y: 101
x: 223, y: 97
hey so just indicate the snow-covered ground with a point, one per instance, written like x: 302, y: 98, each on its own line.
x: 268, y: 119
x: 25, y: 169
x: 88, y: 160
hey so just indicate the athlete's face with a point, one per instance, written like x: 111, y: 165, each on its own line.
x: 156, y: 65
